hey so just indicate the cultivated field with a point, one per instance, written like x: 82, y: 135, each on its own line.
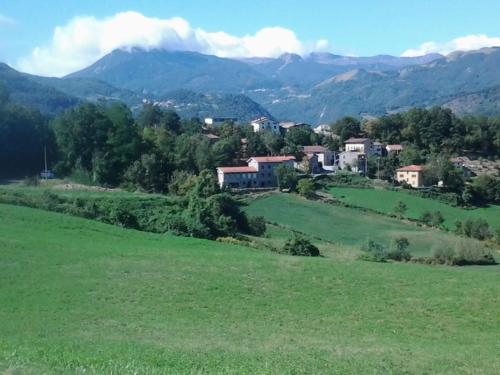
x: 77, y: 296
x: 384, y: 201
x: 342, y: 225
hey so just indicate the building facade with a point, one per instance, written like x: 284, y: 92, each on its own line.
x: 353, y: 160
x: 325, y: 156
x: 411, y: 175
x: 259, y: 173
x: 265, y: 124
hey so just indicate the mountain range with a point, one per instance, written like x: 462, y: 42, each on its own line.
x: 317, y: 88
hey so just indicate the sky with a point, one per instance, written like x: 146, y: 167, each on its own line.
x: 57, y: 37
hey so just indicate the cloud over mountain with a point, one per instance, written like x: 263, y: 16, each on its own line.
x: 465, y: 43
x: 83, y: 40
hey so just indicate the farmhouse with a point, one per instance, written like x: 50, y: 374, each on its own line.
x: 265, y: 124
x: 285, y: 127
x: 325, y: 156
x: 412, y: 175
x: 259, y: 173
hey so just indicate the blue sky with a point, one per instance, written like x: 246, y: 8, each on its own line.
x: 356, y: 27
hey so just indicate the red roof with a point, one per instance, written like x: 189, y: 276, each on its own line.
x: 237, y: 169
x: 314, y: 149
x: 272, y: 159
x: 411, y: 168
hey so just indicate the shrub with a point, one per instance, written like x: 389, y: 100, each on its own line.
x: 443, y: 254
x: 400, y: 209
x: 472, y: 254
x: 399, y: 250
x: 305, y: 187
x: 464, y: 253
x: 257, y: 225
x: 300, y: 246
x: 476, y: 228
x: 426, y: 217
x: 437, y: 218
x: 497, y: 235
x: 373, y: 252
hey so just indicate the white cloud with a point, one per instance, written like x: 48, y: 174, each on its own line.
x: 6, y: 21
x: 465, y: 43
x: 83, y: 40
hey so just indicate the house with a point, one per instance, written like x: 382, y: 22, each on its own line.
x: 309, y: 164
x: 394, y: 149
x: 325, y: 156
x: 265, y: 124
x: 353, y: 160
x: 259, y: 173
x: 212, y: 122
x: 325, y: 130
x: 363, y: 145
x: 412, y: 175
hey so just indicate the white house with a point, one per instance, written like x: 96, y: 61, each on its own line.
x: 259, y: 173
x: 264, y: 124
x: 364, y: 145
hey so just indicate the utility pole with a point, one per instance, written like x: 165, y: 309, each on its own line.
x: 45, y: 158
x: 378, y: 168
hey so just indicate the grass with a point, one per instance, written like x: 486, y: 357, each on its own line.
x: 342, y: 225
x: 384, y: 201
x: 77, y: 296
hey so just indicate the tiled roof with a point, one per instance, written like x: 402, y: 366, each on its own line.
x: 314, y: 149
x: 357, y: 140
x: 411, y: 168
x: 212, y: 136
x: 260, y: 120
x: 237, y: 169
x: 272, y: 159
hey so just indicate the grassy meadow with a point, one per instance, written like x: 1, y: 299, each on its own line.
x: 384, y: 201
x: 78, y: 296
x: 344, y: 226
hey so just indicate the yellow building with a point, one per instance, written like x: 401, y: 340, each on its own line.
x: 412, y: 175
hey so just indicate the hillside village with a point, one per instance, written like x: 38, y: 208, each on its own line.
x: 352, y: 156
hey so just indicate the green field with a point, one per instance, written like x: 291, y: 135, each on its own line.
x: 384, y: 201
x: 342, y: 225
x: 77, y: 296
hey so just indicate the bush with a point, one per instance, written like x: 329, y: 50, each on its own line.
x: 476, y: 228
x: 472, y: 254
x: 373, y: 252
x: 300, y: 246
x: 464, y: 253
x: 443, y: 254
x: 399, y: 250
x: 305, y: 187
x: 256, y: 225
x: 400, y: 209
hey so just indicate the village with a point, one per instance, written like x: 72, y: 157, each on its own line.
x: 259, y: 171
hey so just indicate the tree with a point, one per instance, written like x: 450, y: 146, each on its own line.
x: 400, y: 209
x: 305, y: 187
x: 399, y: 249
x: 346, y: 127
x: 287, y: 177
